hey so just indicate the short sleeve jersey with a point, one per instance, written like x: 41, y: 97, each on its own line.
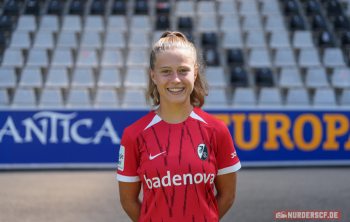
x: 177, y: 165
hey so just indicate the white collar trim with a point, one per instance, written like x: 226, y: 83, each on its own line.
x: 156, y: 119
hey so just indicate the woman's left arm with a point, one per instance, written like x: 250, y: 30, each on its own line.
x: 226, y: 191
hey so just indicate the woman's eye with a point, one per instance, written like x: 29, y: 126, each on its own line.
x: 184, y: 70
x: 166, y: 71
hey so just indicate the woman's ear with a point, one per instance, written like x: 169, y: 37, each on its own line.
x: 151, y: 73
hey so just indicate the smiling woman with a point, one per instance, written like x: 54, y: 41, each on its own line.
x: 177, y: 148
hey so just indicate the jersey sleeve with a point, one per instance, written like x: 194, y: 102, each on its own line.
x: 227, y: 158
x: 128, y: 160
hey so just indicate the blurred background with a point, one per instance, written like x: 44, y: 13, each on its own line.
x: 73, y: 75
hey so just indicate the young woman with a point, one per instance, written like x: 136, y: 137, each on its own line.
x: 177, y: 151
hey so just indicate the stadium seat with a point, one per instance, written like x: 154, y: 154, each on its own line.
x: 51, y: 98
x: 94, y: 23
x: 11, y: 8
x: 67, y: 40
x: 106, y: 98
x: 5, y: 23
x: 55, y: 7
x: 248, y: 8
x: 290, y: 77
x: 345, y: 39
x: 319, y: 23
x: 341, y: 77
x: 244, y: 97
x: 209, y: 39
x: 345, y: 98
x: 26, y: 23
x: 114, y: 40
x: 83, y: 78
x: 264, y: 78
x: 137, y: 58
x: 112, y: 58
x: 297, y: 97
x: 316, y: 77
x: 91, y: 40
x: 270, y: 97
x: 206, y: 8
x: 49, y: 23
x: 32, y: 7
x: 97, y: 7
x: 135, y: 78
x: 325, y: 39
x: 13, y: 58
x: 274, y: 23
x: 184, y: 8
x: 141, y: 7
x: 24, y: 98
x: 57, y: 78
x: 117, y: 23
x: 313, y: 8
x: 162, y: 23
x: 297, y: 23
x: 270, y: 8
x: 109, y: 78
x: 232, y: 40
x: 334, y: 8
x: 284, y: 57
x: 71, y: 23
x: 309, y: 58
x: 62, y: 58
x: 207, y: 24
x: 239, y: 77
x: 20, y: 40
x: 140, y: 23
x: 163, y: 8
x: 7, y: 78
x: 77, y: 7
x: 227, y: 9
x: 324, y: 97
x: 302, y: 39
x: 251, y: 23
x: 3, y: 40
x: 235, y: 57
x: 78, y: 98
x: 255, y: 39
x: 31, y: 77
x: 38, y: 58
x: 341, y: 23
x: 119, y: 7
x: 4, y: 98
x: 333, y: 57
x: 185, y: 23
x: 216, y: 99
x: 290, y: 8
x: 259, y: 58
x: 216, y: 77
x: 138, y: 40
x: 229, y: 24
x: 134, y: 99
x: 279, y: 39
x: 44, y: 39
x: 211, y: 57
x: 87, y: 58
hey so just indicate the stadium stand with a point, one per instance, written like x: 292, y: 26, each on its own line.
x: 95, y: 53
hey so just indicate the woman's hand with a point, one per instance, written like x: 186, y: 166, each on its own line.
x: 226, y: 191
x: 129, y: 198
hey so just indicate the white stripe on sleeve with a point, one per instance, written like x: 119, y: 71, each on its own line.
x: 128, y: 178
x: 230, y: 169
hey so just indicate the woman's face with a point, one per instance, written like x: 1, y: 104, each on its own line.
x: 174, y: 74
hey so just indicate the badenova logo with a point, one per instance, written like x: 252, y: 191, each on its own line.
x: 177, y: 179
x: 52, y: 122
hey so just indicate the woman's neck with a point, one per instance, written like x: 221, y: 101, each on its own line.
x: 174, y: 113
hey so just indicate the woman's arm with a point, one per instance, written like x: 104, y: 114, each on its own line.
x: 129, y: 198
x: 226, y: 191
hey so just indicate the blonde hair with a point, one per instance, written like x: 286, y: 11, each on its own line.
x: 177, y: 40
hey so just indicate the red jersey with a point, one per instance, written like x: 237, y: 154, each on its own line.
x: 177, y: 165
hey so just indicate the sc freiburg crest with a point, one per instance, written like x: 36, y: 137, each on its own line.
x: 202, y: 151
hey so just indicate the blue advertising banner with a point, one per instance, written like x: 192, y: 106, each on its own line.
x: 261, y: 137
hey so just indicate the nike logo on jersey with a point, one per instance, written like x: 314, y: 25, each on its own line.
x: 152, y: 157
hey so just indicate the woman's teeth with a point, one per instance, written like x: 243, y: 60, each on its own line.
x: 175, y: 90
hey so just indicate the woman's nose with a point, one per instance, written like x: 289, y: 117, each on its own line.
x: 176, y: 77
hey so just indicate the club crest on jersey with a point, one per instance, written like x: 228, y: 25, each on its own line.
x: 202, y: 151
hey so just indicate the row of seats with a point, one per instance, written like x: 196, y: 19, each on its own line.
x: 77, y: 98
x: 104, y: 98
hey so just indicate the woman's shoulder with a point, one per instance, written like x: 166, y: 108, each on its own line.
x: 211, y: 120
x: 138, y: 126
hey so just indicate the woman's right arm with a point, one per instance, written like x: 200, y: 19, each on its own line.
x: 129, y: 198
